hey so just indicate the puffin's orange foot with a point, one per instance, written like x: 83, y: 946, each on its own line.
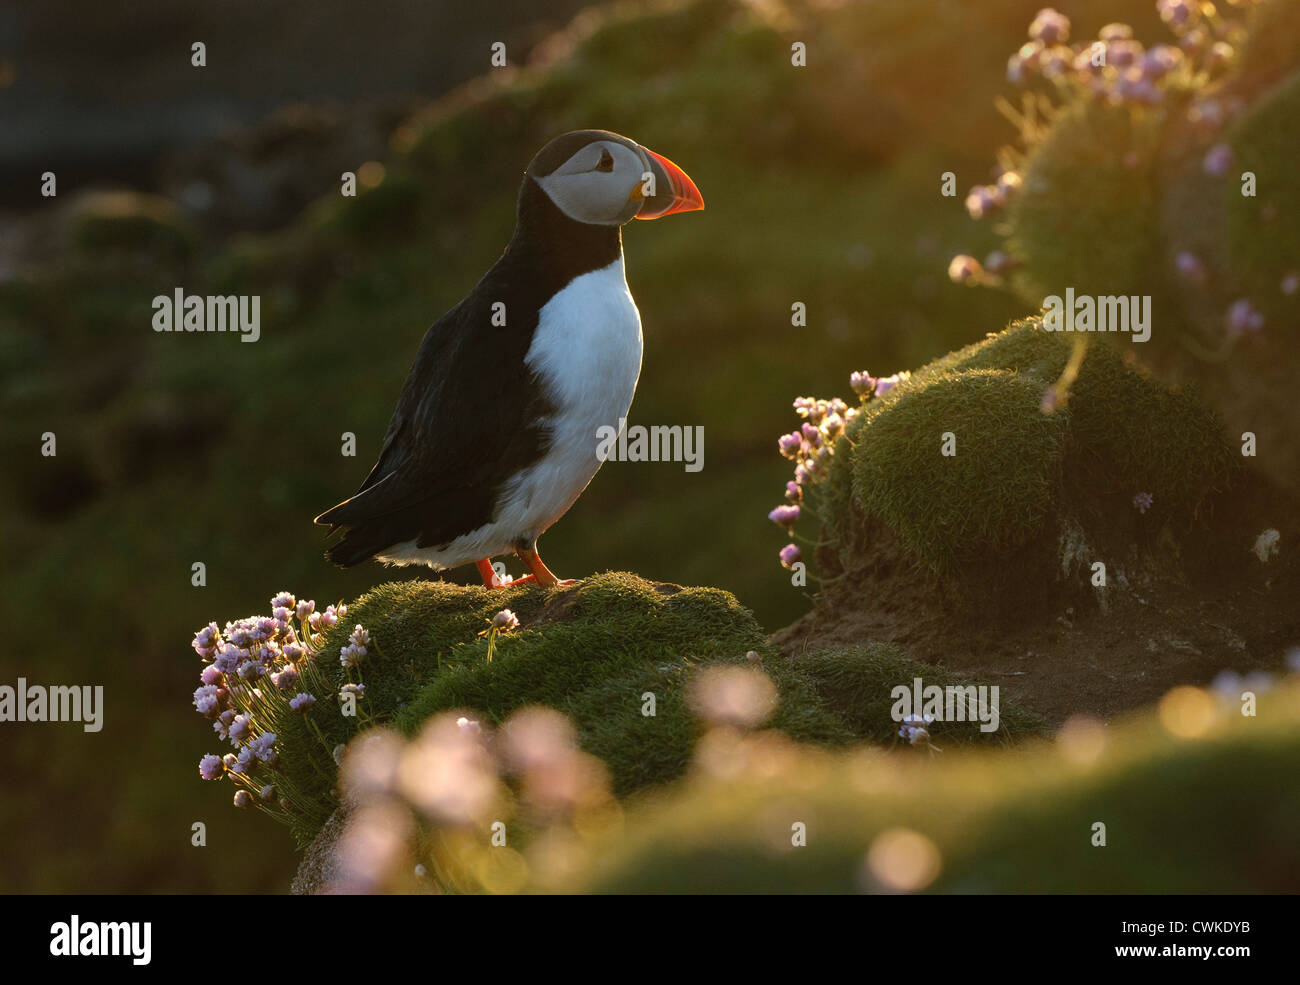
x: 489, y: 575
x: 492, y: 580
x: 541, y: 573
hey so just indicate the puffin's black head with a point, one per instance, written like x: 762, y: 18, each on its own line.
x: 603, y: 179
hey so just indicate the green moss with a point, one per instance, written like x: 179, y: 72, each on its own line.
x: 1085, y: 217
x: 855, y: 685
x: 1263, y: 236
x: 1128, y: 431
x: 639, y: 750
x: 592, y: 652
x: 1016, y: 468
x: 1023, y: 348
x: 992, y: 495
x: 642, y: 752
x: 1134, y: 434
x: 829, y: 698
x: 549, y: 664
x: 1210, y: 814
x: 831, y: 500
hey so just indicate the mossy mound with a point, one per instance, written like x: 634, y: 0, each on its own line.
x: 593, y: 652
x: 1084, y: 218
x: 1194, y: 797
x: 429, y: 656
x: 992, y: 494
x: 1015, y: 469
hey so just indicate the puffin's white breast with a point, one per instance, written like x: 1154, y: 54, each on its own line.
x: 586, y: 352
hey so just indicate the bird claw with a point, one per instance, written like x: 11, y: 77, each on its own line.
x: 541, y: 575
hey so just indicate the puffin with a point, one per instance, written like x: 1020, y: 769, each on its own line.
x: 495, y: 433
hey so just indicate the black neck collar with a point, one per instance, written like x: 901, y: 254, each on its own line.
x: 559, y: 247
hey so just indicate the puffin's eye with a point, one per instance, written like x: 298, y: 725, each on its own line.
x: 606, y: 161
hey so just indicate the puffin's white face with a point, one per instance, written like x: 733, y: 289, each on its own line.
x: 602, y: 184
x: 609, y: 179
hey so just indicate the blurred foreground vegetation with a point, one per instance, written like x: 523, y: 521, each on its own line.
x: 1194, y: 798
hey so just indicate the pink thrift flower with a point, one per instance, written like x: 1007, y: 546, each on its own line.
x: 862, y: 383
x: 785, y: 517
x: 211, y: 767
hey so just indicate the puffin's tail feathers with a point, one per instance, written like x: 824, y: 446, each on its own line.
x: 351, y: 550
x: 364, y: 534
x: 338, y: 516
x: 381, y: 515
x: 358, y: 543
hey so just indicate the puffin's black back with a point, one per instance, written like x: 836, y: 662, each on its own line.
x: 468, y: 416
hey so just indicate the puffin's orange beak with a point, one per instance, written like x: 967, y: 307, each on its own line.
x: 674, y: 190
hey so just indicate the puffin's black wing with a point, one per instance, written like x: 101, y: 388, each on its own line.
x: 467, y: 420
